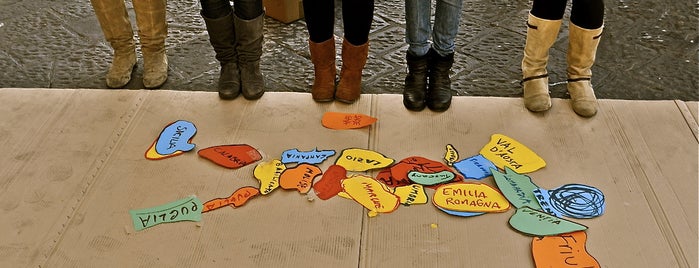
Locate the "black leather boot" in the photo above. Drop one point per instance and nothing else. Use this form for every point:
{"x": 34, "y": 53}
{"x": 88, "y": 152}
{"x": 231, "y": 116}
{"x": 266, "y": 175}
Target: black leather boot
{"x": 415, "y": 89}
{"x": 439, "y": 89}
{"x": 222, "y": 39}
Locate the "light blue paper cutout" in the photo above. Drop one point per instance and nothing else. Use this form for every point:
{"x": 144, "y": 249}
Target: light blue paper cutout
{"x": 310, "y": 157}
{"x": 176, "y": 137}
{"x": 460, "y": 213}
{"x": 475, "y": 167}
{"x": 572, "y": 200}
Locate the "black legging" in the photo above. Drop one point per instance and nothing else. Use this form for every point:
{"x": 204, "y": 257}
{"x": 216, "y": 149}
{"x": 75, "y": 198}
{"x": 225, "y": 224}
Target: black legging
{"x": 587, "y": 14}
{"x": 356, "y": 19}
{"x": 244, "y": 9}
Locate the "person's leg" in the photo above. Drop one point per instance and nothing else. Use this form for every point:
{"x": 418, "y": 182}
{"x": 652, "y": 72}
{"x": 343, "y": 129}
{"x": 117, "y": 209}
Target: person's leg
{"x": 320, "y": 20}
{"x": 585, "y": 30}
{"x": 357, "y": 16}
{"x": 152, "y": 31}
{"x": 417, "y": 34}
{"x": 218, "y": 17}
{"x": 248, "y": 9}
{"x": 446, "y": 26}
{"x": 116, "y": 27}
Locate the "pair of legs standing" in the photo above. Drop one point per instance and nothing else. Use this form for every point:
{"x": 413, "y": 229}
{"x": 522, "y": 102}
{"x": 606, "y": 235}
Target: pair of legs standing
{"x": 585, "y": 29}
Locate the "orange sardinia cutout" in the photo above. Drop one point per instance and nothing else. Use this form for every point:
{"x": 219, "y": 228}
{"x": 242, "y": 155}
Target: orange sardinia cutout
{"x": 231, "y": 156}
{"x": 330, "y": 184}
{"x": 299, "y": 177}
{"x": 334, "y": 120}
{"x": 237, "y": 199}
{"x": 565, "y": 250}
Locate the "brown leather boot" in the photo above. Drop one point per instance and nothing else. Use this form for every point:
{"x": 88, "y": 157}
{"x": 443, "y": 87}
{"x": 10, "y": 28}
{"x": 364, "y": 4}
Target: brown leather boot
{"x": 353, "y": 60}
{"x": 323, "y": 58}
{"x": 581, "y": 56}
{"x": 250, "y": 36}
{"x": 152, "y": 31}
{"x": 116, "y": 27}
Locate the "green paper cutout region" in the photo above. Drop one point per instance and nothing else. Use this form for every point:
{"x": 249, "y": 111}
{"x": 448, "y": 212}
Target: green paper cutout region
{"x": 187, "y": 209}
{"x": 430, "y": 178}
{"x": 517, "y": 188}
{"x": 538, "y": 223}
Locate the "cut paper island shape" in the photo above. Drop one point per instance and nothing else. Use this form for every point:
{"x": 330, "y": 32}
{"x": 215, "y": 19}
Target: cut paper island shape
{"x": 538, "y": 223}
{"x": 231, "y": 156}
{"x": 310, "y": 157}
{"x": 355, "y": 159}
{"x": 504, "y": 151}
{"x": 475, "y": 167}
{"x": 268, "y": 174}
{"x": 461, "y": 213}
{"x": 571, "y": 200}
{"x": 330, "y": 184}
{"x": 564, "y": 250}
{"x": 451, "y": 155}
{"x": 175, "y": 139}
{"x": 371, "y": 194}
{"x": 431, "y": 178}
{"x": 397, "y": 175}
{"x": 385, "y": 177}
{"x": 334, "y": 120}
{"x": 187, "y": 209}
{"x": 413, "y": 194}
{"x": 299, "y": 177}
{"x": 469, "y": 197}
{"x": 237, "y": 199}
{"x": 518, "y": 189}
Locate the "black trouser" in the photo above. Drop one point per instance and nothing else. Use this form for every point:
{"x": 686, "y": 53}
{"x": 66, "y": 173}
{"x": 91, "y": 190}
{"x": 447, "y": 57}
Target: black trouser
{"x": 587, "y": 14}
{"x": 356, "y": 19}
{"x": 244, "y": 9}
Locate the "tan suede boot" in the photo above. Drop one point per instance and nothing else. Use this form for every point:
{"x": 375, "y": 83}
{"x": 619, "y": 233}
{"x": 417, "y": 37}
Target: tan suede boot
{"x": 541, "y": 34}
{"x": 353, "y": 60}
{"x": 582, "y": 48}
{"x": 152, "y": 31}
{"x": 250, "y": 35}
{"x": 116, "y": 27}
{"x": 323, "y": 58}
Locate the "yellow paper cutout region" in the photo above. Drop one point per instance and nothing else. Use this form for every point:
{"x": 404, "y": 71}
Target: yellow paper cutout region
{"x": 344, "y": 195}
{"x": 268, "y": 174}
{"x": 356, "y": 159}
{"x": 470, "y": 197}
{"x": 505, "y": 151}
{"x": 152, "y": 154}
{"x": 451, "y": 155}
{"x": 411, "y": 194}
{"x": 371, "y": 194}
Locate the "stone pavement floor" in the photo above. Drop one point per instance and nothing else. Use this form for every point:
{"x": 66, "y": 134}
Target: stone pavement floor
{"x": 648, "y": 50}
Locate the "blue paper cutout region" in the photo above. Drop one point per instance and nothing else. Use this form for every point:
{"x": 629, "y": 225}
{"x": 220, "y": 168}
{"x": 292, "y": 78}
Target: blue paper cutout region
{"x": 176, "y": 137}
{"x": 310, "y": 157}
{"x": 475, "y": 167}
{"x": 572, "y": 200}
{"x": 460, "y": 213}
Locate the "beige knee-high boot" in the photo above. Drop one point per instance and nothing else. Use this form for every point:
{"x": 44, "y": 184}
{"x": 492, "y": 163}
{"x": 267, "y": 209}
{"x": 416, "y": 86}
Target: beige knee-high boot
{"x": 116, "y": 27}
{"x": 152, "y": 31}
{"x": 582, "y": 48}
{"x": 541, "y": 34}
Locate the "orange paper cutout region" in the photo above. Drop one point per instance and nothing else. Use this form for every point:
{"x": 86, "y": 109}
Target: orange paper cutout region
{"x": 335, "y": 120}
{"x": 398, "y": 175}
{"x": 413, "y": 194}
{"x": 355, "y": 159}
{"x": 268, "y": 174}
{"x": 231, "y": 156}
{"x": 371, "y": 194}
{"x": 505, "y": 151}
{"x": 330, "y": 184}
{"x": 565, "y": 250}
{"x": 299, "y": 177}
{"x": 152, "y": 154}
{"x": 470, "y": 197}
{"x": 237, "y": 199}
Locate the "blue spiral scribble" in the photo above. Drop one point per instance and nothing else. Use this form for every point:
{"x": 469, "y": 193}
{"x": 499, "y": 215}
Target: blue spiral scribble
{"x": 577, "y": 201}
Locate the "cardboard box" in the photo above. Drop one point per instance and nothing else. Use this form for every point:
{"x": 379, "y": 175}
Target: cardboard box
{"x": 286, "y": 11}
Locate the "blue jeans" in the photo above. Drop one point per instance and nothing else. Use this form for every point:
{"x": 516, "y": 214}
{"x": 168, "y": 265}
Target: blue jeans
{"x": 418, "y": 28}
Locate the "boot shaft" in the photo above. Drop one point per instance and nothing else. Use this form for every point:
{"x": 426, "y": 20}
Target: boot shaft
{"x": 541, "y": 35}
{"x": 115, "y": 24}
{"x": 582, "y": 49}
{"x": 152, "y": 24}
{"x": 222, "y": 37}
{"x": 249, "y": 35}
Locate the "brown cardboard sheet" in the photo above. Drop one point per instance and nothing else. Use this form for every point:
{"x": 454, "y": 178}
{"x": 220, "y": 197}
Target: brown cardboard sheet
{"x": 74, "y": 166}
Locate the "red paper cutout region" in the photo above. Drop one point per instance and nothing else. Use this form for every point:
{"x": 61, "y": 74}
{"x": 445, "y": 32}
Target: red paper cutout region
{"x": 299, "y": 177}
{"x": 564, "y": 250}
{"x": 330, "y": 184}
{"x": 231, "y": 156}
{"x": 237, "y": 199}
{"x": 335, "y": 120}
{"x": 397, "y": 175}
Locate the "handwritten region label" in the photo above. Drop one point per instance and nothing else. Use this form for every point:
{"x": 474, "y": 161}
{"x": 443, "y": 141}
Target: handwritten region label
{"x": 330, "y": 184}
{"x": 334, "y": 120}
{"x": 237, "y": 199}
{"x": 475, "y": 167}
{"x": 411, "y": 194}
{"x": 174, "y": 140}
{"x": 355, "y": 159}
{"x": 268, "y": 174}
{"x": 310, "y": 157}
{"x": 430, "y": 178}
{"x": 299, "y": 177}
{"x": 188, "y": 209}
{"x": 231, "y": 156}
{"x": 565, "y": 250}
{"x": 538, "y": 223}
{"x": 518, "y": 189}
{"x": 397, "y": 174}
{"x": 461, "y": 213}
{"x": 504, "y": 151}
{"x": 451, "y": 155}
{"x": 371, "y": 194}
{"x": 470, "y": 197}
{"x": 571, "y": 200}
